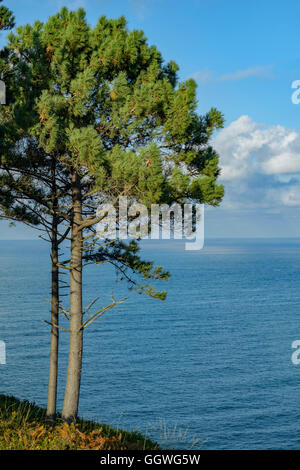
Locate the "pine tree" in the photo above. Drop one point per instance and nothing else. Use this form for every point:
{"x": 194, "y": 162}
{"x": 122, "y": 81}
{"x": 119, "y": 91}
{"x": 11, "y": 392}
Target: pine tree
{"x": 28, "y": 186}
{"x": 119, "y": 123}
{"x": 6, "y": 200}
{"x": 7, "y": 20}
{"x": 29, "y": 178}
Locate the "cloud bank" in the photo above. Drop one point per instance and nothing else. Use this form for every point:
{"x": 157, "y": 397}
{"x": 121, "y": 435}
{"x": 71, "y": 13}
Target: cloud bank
{"x": 260, "y": 165}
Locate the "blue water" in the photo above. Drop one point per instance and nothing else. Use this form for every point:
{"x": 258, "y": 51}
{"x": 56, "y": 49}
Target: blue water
{"x": 212, "y": 363}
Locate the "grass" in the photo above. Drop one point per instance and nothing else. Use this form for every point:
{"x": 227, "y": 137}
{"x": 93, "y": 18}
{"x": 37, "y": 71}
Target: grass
{"x": 23, "y": 427}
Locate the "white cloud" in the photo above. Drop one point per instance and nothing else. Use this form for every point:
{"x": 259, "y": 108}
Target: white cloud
{"x": 72, "y": 4}
{"x": 260, "y": 164}
{"x": 283, "y": 163}
{"x": 262, "y": 72}
{"x": 203, "y": 76}
{"x": 287, "y": 197}
{"x": 142, "y": 8}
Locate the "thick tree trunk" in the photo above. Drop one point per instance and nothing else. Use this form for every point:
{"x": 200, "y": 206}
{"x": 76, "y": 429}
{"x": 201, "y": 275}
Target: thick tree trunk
{"x": 53, "y": 366}
{"x": 71, "y": 399}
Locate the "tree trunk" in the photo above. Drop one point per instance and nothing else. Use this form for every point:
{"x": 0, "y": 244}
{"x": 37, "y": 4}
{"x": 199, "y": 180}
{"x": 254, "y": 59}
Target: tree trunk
{"x": 53, "y": 366}
{"x": 71, "y": 399}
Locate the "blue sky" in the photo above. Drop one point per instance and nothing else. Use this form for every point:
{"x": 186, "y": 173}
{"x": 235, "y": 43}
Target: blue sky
{"x": 244, "y": 57}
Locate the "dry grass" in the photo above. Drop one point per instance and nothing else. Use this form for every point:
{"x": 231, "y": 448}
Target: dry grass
{"x": 23, "y": 427}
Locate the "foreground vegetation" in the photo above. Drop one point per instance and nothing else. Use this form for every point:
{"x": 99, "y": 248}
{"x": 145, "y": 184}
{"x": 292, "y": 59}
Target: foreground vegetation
{"x": 23, "y": 427}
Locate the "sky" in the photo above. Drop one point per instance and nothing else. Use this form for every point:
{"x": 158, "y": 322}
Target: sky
{"x": 244, "y": 57}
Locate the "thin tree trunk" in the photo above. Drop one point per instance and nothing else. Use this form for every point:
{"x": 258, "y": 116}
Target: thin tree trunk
{"x": 53, "y": 366}
{"x": 71, "y": 399}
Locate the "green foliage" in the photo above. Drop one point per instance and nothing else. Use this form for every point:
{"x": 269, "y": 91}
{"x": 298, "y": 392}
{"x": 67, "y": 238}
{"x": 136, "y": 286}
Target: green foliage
{"x": 130, "y": 267}
{"x": 104, "y": 90}
{"x": 103, "y": 102}
{"x": 7, "y": 20}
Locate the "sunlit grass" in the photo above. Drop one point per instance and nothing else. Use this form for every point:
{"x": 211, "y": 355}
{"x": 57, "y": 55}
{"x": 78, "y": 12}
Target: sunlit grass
{"x": 23, "y": 427}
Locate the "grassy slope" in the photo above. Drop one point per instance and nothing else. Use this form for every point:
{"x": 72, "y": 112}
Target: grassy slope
{"x": 22, "y": 427}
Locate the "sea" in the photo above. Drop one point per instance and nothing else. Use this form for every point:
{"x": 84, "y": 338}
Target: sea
{"x": 211, "y": 367}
